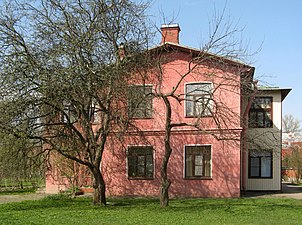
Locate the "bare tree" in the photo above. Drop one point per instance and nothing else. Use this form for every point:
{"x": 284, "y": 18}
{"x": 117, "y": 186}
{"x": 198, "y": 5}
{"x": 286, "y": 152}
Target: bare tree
{"x": 290, "y": 124}
{"x": 20, "y": 161}
{"x": 64, "y": 76}
{"x": 227, "y": 75}
{"x": 292, "y": 161}
{"x": 223, "y": 117}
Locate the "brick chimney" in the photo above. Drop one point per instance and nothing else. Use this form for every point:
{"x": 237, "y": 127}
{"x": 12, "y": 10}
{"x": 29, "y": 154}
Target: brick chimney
{"x": 170, "y": 33}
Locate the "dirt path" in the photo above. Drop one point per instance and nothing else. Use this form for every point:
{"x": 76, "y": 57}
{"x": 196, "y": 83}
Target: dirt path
{"x": 288, "y": 191}
{"x": 20, "y": 198}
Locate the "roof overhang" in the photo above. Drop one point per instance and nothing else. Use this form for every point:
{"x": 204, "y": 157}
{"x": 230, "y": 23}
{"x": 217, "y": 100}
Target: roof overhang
{"x": 284, "y": 91}
{"x": 197, "y": 52}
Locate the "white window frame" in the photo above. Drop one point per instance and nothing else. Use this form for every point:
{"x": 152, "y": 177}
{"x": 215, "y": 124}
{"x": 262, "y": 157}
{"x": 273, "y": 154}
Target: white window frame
{"x": 211, "y": 104}
{"x": 184, "y": 162}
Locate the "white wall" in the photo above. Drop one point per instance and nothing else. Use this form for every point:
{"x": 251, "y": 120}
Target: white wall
{"x": 267, "y": 138}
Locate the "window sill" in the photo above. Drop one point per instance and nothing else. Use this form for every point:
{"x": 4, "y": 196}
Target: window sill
{"x": 140, "y": 178}
{"x": 142, "y": 118}
{"x": 260, "y": 127}
{"x": 198, "y": 178}
{"x": 260, "y": 177}
{"x": 209, "y": 116}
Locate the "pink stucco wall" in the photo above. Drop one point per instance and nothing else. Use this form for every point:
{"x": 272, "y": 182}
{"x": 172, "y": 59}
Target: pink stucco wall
{"x": 225, "y": 180}
{"x": 225, "y": 165}
{"x": 225, "y": 168}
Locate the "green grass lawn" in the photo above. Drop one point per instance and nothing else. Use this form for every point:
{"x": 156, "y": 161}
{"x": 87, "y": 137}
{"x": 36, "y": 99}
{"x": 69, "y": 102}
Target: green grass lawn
{"x": 147, "y": 211}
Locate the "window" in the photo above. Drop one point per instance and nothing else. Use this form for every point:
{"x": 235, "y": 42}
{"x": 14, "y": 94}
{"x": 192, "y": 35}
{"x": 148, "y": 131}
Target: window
{"x": 140, "y": 101}
{"x": 140, "y": 162}
{"x": 95, "y": 113}
{"x": 260, "y": 164}
{"x": 199, "y": 99}
{"x": 197, "y": 161}
{"x": 261, "y": 113}
{"x": 68, "y": 114}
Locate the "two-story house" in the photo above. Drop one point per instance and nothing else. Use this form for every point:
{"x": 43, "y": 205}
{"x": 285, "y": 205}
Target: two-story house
{"x": 217, "y": 151}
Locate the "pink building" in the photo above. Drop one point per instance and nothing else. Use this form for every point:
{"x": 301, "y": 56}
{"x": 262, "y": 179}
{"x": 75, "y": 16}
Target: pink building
{"x": 214, "y": 158}
{"x": 292, "y": 160}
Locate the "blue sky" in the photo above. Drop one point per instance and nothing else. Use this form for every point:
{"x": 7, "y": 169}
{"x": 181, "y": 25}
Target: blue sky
{"x": 275, "y": 25}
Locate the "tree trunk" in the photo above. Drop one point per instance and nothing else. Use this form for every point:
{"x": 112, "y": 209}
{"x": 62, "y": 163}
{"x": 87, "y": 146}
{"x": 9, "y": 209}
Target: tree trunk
{"x": 165, "y": 182}
{"x": 164, "y": 189}
{"x": 99, "y": 195}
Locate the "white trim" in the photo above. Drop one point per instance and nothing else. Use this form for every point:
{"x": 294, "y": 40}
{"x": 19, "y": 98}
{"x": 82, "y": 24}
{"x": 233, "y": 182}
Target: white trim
{"x": 185, "y": 93}
{"x": 173, "y": 25}
{"x": 184, "y": 157}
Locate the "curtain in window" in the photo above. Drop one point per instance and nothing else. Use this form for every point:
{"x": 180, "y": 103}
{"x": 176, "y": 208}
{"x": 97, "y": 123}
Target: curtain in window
{"x": 260, "y": 164}
{"x": 266, "y": 165}
{"x": 198, "y": 99}
{"x": 198, "y": 161}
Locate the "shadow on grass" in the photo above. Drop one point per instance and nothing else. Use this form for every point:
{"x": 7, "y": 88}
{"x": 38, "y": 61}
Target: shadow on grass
{"x": 151, "y": 204}
{"x": 235, "y": 205}
{"x": 129, "y": 201}
{"x": 61, "y": 201}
